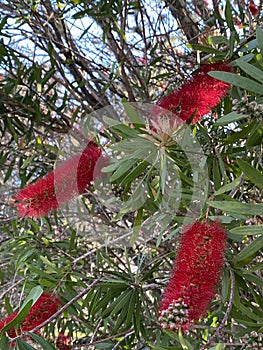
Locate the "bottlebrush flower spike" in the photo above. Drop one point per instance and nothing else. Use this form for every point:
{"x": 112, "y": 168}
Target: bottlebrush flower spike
{"x": 253, "y": 8}
{"x": 198, "y": 95}
{"x": 196, "y": 272}
{"x": 43, "y": 309}
{"x": 60, "y": 186}
{"x": 63, "y": 341}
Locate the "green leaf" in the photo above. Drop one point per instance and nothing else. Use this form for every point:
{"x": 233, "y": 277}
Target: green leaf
{"x": 229, "y": 16}
{"x": 9, "y": 170}
{"x": 245, "y": 58}
{"x": 251, "y": 70}
{"x": 246, "y": 311}
{"x": 27, "y": 162}
{"x": 41, "y": 273}
{"x": 45, "y": 345}
{"x": 46, "y": 283}
{"x": 117, "y": 304}
{"x": 255, "y": 138}
{"x": 248, "y": 253}
{"x": 122, "y": 129}
{"x": 225, "y": 285}
{"x": 229, "y": 118}
{"x": 123, "y": 300}
{"x": 23, "y": 345}
{"x": 131, "y": 307}
{"x": 227, "y": 187}
{"x": 33, "y": 295}
{"x": 3, "y": 23}
{"x": 185, "y": 343}
{"x": 253, "y": 174}
{"x": 218, "y": 39}
{"x": 12, "y": 129}
{"x": 4, "y": 342}
{"x": 137, "y": 226}
{"x": 259, "y": 33}
{"x": 72, "y": 242}
{"x": 247, "y": 230}
{"x": 253, "y": 278}
{"x": 237, "y": 207}
{"x": 126, "y": 313}
{"x": 103, "y": 345}
{"x": 206, "y": 49}
{"x": 123, "y": 167}
{"x": 238, "y": 80}
{"x": 132, "y": 114}
{"x": 134, "y": 173}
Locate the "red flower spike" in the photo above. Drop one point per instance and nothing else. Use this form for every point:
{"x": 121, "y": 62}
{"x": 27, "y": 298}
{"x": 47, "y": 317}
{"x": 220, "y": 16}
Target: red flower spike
{"x": 60, "y": 186}
{"x": 198, "y": 95}
{"x": 253, "y": 8}
{"x": 42, "y": 310}
{"x": 63, "y": 341}
{"x": 196, "y": 272}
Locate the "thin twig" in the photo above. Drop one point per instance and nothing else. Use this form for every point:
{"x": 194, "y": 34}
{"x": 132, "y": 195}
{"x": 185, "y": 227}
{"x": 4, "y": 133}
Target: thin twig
{"x": 83, "y": 341}
{"x": 101, "y": 246}
{"x": 11, "y": 287}
{"x": 119, "y": 342}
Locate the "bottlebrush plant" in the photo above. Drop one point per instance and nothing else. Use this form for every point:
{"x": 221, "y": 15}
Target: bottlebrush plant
{"x": 123, "y": 259}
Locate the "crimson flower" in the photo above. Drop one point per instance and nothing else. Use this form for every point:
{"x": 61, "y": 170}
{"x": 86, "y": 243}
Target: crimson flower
{"x": 63, "y": 341}
{"x": 253, "y": 8}
{"x": 198, "y": 95}
{"x": 196, "y": 273}
{"x": 59, "y": 186}
{"x": 42, "y": 310}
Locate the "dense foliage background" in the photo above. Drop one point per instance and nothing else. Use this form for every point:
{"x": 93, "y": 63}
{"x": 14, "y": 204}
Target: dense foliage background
{"x": 62, "y": 63}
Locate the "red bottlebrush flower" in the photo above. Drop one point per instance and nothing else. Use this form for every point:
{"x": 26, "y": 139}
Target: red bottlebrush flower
{"x": 60, "y": 186}
{"x": 63, "y": 341}
{"x": 42, "y": 310}
{"x": 196, "y": 272}
{"x": 198, "y": 95}
{"x": 253, "y": 8}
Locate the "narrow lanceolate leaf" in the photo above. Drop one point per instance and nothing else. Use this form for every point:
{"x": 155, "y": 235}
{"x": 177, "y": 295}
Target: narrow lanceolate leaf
{"x": 227, "y": 187}
{"x": 184, "y": 342}
{"x": 247, "y": 230}
{"x": 237, "y": 207}
{"x": 45, "y": 345}
{"x": 238, "y": 80}
{"x": 230, "y": 118}
{"x": 132, "y": 113}
{"x": 23, "y": 345}
{"x": 251, "y": 70}
{"x": 259, "y": 33}
{"x": 253, "y": 174}
{"x": 34, "y": 294}
{"x": 248, "y": 253}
